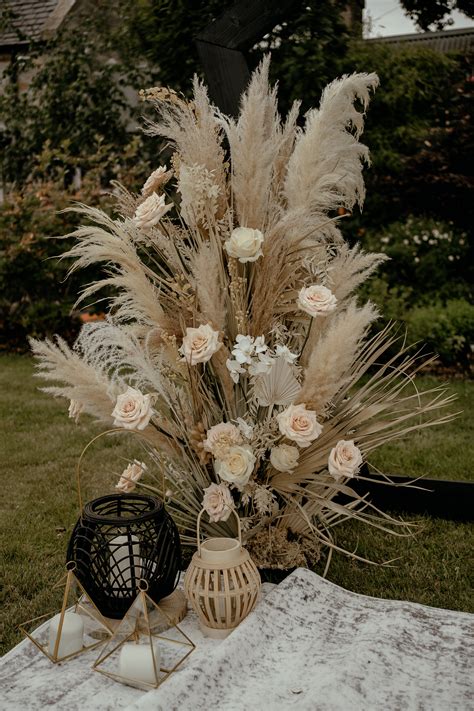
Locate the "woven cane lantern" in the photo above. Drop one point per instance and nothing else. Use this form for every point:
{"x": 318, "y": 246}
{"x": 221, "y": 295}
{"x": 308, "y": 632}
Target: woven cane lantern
{"x": 222, "y": 583}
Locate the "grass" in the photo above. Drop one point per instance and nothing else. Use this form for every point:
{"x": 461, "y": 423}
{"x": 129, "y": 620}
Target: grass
{"x": 40, "y": 448}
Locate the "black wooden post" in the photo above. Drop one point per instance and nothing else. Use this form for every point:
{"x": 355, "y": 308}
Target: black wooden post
{"x": 222, "y": 44}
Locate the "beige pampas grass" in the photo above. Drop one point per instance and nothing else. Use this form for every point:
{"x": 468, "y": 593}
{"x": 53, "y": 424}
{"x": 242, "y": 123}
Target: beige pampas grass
{"x": 256, "y": 353}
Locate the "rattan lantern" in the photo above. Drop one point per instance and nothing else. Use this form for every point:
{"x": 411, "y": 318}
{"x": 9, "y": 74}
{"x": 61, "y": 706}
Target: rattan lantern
{"x": 222, "y": 583}
{"x": 120, "y": 539}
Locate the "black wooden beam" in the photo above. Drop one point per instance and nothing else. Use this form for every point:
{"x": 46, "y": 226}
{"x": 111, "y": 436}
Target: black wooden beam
{"x": 439, "y": 498}
{"x": 222, "y": 44}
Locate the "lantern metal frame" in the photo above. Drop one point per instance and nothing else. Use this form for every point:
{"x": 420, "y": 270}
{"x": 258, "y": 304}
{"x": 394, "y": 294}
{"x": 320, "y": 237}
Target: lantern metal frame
{"x": 139, "y": 622}
{"x": 83, "y": 605}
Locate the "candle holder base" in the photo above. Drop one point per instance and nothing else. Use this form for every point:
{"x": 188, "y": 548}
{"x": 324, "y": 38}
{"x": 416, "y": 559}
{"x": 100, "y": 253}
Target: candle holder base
{"x": 214, "y": 632}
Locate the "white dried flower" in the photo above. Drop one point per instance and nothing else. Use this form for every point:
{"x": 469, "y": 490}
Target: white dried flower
{"x": 345, "y": 460}
{"x": 261, "y": 365}
{"x": 237, "y": 466}
{"x": 235, "y": 369}
{"x": 200, "y": 344}
{"x": 132, "y": 410}
{"x": 263, "y": 498}
{"x": 243, "y": 349}
{"x": 284, "y": 457}
{"x": 316, "y": 300}
{"x": 244, "y": 244}
{"x": 220, "y": 438}
{"x": 151, "y": 210}
{"x": 130, "y": 476}
{"x": 75, "y": 409}
{"x": 159, "y": 177}
{"x": 245, "y": 429}
{"x": 299, "y": 424}
{"x": 285, "y": 353}
{"x": 218, "y": 502}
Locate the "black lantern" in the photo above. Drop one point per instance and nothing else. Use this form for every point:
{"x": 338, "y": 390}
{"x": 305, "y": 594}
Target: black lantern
{"x": 119, "y": 540}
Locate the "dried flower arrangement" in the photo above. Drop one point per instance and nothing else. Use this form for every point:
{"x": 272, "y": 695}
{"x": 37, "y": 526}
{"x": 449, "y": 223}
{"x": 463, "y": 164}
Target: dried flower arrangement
{"x": 234, "y": 343}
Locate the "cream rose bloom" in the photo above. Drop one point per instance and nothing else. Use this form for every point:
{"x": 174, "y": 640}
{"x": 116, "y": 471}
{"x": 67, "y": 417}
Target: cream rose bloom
{"x": 132, "y": 410}
{"x": 200, "y": 344}
{"x": 299, "y": 424}
{"x": 237, "y": 465}
{"x": 220, "y": 438}
{"x": 316, "y": 300}
{"x": 245, "y": 244}
{"x": 130, "y": 476}
{"x": 151, "y": 210}
{"x": 218, "y": 502}
{"x": 284, "y": 457}
{"x": 345, "y": 460}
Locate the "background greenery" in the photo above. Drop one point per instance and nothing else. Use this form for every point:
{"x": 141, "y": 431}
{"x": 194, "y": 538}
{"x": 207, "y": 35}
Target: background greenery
{"x": 40, "y": 447}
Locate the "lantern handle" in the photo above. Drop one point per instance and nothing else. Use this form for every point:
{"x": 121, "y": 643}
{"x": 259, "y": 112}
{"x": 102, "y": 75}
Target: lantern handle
{"x": 198, "y": 527}
{"x": 117, "y": 430}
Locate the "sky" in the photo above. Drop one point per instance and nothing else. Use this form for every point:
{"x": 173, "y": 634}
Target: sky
{"x": 388, "y": 18}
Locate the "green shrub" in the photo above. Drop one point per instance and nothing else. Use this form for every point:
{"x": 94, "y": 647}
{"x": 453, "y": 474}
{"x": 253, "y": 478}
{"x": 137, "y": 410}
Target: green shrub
{"x": 446, "y": 329}
{"x": 429, "y": 261}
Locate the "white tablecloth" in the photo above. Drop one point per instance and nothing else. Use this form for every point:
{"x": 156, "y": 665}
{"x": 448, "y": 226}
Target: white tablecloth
{"x": 309, "y": 645}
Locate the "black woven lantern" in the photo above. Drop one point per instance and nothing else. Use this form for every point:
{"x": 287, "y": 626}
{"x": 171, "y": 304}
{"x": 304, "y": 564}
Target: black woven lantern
{"x": 120, "y": 539}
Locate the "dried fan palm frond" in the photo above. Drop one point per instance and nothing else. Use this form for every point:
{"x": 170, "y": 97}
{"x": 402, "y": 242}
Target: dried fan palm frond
{"x": 277, "y": 387}
{"x": 232, "y": 341}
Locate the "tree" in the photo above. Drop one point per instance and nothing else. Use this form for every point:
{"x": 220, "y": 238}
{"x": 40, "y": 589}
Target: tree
{"x": 429, "y": 14}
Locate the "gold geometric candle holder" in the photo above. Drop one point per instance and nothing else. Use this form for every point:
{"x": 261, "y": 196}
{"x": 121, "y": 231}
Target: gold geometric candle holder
{"x": 146, "y": 646}
{"x": 77, "y": 628}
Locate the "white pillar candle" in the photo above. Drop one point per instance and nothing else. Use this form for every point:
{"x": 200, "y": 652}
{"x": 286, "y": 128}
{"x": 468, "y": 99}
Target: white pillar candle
{"x": 123, "y": 559}
{"x": 136, "y": 662}
{"x": 72, "y": 634}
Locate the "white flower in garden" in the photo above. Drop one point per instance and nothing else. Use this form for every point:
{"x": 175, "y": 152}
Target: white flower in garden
{"x": 299, "y": 424}
{"x": 237, "y": 465}
{"x": 245, "y": 244}
{"x": 151, "y": 210}
{"x": 200, "y": 344}
{"x": 316, "y": 300}
{"x": 345, "y": 460}
{"x": 284, "y": 457}
{"x": 75, "y": 409}
{"x": 159, "y": 177}
{"x": 285, "y": 353}
{"x": 235, "y": 369}
{"x": 132, "y": 410}
{"x": 244, "y": 427}
{"x": 130, "y": 476}
{"x": 218, "y": 502}
{"x": 220, "y": 438}
{"x": 243, "y": 349}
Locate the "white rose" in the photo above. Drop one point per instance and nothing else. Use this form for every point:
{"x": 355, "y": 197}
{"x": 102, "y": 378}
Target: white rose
{"x": 130, "y": 476}
{"x": 316, "y": 300}
{"x": 150, "y": 212}
{"x": 159, "y": 177}
{"x": 245, "y": 244}
{"x": 132, "y": 410}
{"x": 220, "y": 438}
{"x": 284, "y": 457}
{"x": 200, "y": 344}
{"x": 299, "y": 424}
{"x": 237, "y": 465}
{"x": 218, "y": 502}
{"x": 345, "y": 460}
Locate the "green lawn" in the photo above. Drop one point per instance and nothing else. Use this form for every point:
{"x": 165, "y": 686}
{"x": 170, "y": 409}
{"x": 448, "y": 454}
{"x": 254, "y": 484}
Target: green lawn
{"x": 40, "y": 447}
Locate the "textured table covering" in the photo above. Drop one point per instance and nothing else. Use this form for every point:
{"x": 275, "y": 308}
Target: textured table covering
{"x": 30, "y": 682}
{"x": 308, "y": 645}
